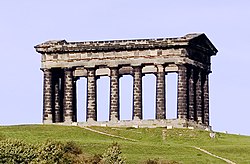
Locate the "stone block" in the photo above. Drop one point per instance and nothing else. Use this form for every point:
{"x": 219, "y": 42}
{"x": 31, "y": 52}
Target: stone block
{"x": 135, "y": 126}
{"x": 103, "y": 125}
{"x": 80, "y": 73}
{"x": 102, "y": 72}
{"x": 149, "y": 69}
{"x": 170, "y": 127}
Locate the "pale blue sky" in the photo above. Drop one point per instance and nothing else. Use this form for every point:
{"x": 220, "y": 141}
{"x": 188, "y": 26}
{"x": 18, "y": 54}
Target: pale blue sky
{"x": 26, "y": 23}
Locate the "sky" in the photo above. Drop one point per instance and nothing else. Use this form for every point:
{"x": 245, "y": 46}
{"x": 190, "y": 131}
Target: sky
{"x": 24, "y": 24}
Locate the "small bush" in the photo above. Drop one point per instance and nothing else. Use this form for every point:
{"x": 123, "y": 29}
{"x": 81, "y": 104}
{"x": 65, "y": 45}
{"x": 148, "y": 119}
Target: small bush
{"x": 16, "y": 151}
{"x": 50, "y": 152}
{"x": 96, "y": 159}
{"x": 113, "y": 155}
{"x": 71, "y": 147}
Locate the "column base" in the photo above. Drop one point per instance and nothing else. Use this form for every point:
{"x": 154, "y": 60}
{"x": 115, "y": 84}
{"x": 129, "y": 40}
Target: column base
{"x": 199, "y": 120}
{"x": 113, "y": 118}
{"x": 91, "y": 120}
{"x": 48, "y": 120}
{"x": 136, "y": 118}
{"x": 68, "y": 120}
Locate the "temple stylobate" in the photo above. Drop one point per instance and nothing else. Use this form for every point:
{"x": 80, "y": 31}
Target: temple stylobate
{"x": 64, "y": 62}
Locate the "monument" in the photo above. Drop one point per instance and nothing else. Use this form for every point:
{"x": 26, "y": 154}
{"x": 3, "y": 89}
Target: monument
{"x": 189, "y": 56}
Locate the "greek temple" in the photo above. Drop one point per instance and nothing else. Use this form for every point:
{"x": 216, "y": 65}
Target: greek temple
{"x": 63, "y": 63}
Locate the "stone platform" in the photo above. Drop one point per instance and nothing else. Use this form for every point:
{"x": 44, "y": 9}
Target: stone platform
{"x": 151, "y": 123}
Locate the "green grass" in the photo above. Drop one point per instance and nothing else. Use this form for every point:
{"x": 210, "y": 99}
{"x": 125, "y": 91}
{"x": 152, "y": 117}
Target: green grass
{"x": 150, "y": 145}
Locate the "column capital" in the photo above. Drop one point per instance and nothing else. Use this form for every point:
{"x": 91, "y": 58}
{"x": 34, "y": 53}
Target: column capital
{"x": 207, "y": 72}
{"x": 136, "y": 68}
{"x": 160, "y": 68}
{"x": 114, "y": 68}
{"x": 45, "y": 69}
{"x": 182, "y": 67}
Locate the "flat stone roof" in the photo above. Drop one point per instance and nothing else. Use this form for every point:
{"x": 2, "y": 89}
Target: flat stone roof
{"x": 60, "y": 46}
{"x": 54, "y": 45}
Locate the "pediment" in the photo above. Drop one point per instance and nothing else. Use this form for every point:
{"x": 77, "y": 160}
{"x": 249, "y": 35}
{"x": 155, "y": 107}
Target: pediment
{"x": 202, "y": 43}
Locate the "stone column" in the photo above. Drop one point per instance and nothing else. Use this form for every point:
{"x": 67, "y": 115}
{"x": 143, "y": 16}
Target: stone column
{"x": 74, "y": 101}
{"x": 137, "y": 93}
{"x": 182, "y": 96}
{"x": 206, "y": 99}
{"x": 68, "y": 95}
{"x": 57, "y": 99}
{"x": 198, "y": 97}
{"x": 47, "y": 96}
{"x": 191, "y": 95}
{"x": 114, "y": 94}
{"x": 61, "y": 95}
{"x": 91, "y": 95}
{"x": 160, "y": 93}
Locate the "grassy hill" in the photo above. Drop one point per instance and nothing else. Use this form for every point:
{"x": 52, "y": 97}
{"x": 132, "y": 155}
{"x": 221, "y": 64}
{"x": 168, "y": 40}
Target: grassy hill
{"x": 149, "y": 144}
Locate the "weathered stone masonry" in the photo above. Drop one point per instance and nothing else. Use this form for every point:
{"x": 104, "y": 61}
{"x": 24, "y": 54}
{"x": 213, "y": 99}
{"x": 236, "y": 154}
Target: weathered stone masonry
{"x": 64, "y": 62}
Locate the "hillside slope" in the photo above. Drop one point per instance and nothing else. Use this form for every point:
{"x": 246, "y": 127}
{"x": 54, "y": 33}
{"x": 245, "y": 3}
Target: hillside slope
{"x": 148, "y": 142}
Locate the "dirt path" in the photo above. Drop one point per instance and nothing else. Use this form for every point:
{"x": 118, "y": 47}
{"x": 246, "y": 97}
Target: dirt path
{"x": 205, "y": 151}
{"x": 133, "y": 140}
{"x": 111, "y": 135}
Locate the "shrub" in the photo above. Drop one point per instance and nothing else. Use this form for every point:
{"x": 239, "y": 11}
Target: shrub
{"x": 50, "y": 152}
{"x": 113, "y": 155}
{"x": 16, "y": 151}
{"x": 71, "y": 147}
{"x": 95, "y": 159}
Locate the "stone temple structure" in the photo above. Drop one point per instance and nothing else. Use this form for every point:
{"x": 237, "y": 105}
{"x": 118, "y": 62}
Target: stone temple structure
{"x": 189, "y": 56}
